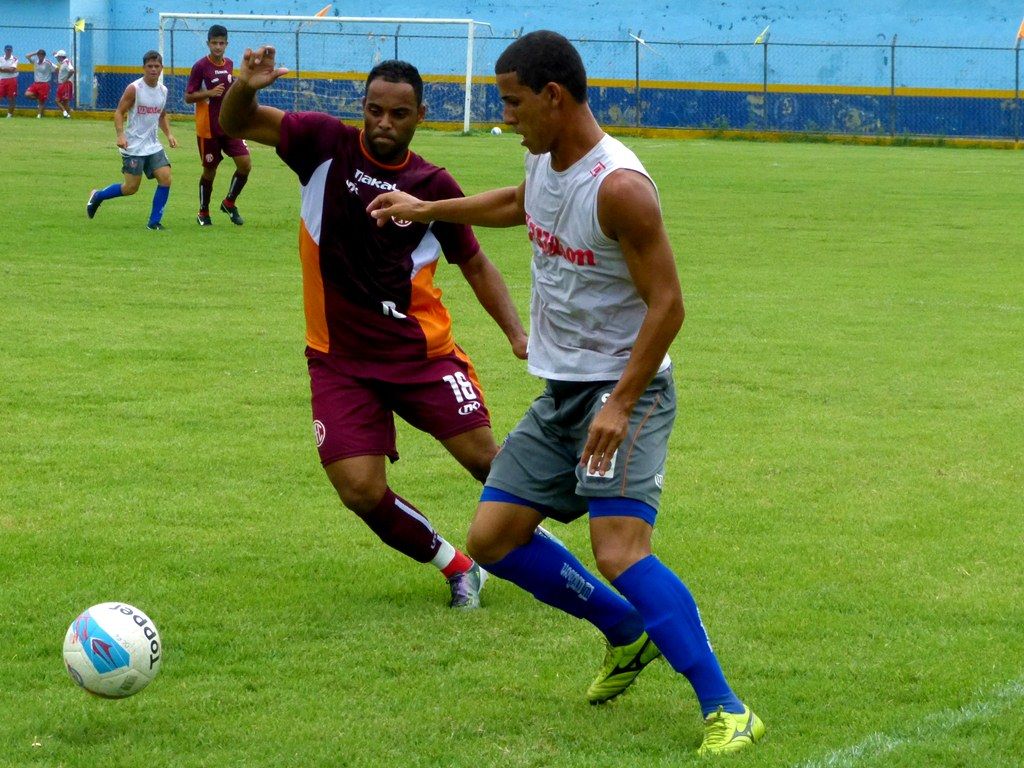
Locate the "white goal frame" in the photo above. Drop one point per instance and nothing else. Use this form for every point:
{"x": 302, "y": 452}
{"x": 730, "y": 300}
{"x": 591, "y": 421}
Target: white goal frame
{"x": 470, "y": 25}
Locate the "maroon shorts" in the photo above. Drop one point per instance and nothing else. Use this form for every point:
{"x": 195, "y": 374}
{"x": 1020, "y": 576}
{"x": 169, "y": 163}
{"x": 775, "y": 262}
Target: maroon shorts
{"x": 40, "y": 91}
{"x": 8, "y": 87}
{"x": 355, "y": 402}
{"x": 66, "y": 91}
{"x": 212, "y": 151}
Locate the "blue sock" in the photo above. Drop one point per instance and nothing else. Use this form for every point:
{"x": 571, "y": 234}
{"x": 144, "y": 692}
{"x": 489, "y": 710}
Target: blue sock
{"x": 109, "y": 193}
{"x": 159, "y": 201}
{"x": 673, "y": 622}
{"x": 551, "y": 573}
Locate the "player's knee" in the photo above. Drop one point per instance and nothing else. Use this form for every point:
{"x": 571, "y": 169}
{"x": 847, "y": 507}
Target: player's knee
{"x": 358, "y": 494}
{"x": 484, "y": 547}
{"x": 615, "y": 557}
{"x": 129, "y": 188}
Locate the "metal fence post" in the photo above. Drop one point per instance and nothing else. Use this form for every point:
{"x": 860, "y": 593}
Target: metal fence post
{"x": 892, "y": 87}
{"x": 298, "y": 69}
{"x": 397, "y": 30}
{"x": 636, "y": 77}
{"x": 764, "y": 84}
{"x": 1016, "y": 91}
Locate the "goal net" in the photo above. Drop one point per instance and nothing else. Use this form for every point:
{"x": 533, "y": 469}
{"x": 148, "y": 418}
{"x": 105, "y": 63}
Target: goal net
{"x": 329, "y": 57}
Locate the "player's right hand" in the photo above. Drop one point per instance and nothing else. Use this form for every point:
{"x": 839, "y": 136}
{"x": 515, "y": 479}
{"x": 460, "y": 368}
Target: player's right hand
{"x": 259, "y": 67}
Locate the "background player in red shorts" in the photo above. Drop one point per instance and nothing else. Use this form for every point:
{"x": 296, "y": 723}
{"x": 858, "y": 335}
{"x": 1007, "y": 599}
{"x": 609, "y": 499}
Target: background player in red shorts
{"x": 42, "y": 73}
{"x": 9, "y": 78}
{"x": 379, "y": 339}
{"x": 210, "y": 78}
{"x": 65, "y": 84}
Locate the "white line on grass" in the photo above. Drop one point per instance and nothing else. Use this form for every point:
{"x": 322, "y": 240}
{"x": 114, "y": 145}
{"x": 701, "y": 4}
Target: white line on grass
{"x": 929, "y": 727}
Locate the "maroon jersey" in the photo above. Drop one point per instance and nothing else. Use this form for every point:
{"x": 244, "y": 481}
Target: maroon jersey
{"x": 369, "y": 291}
{"x": 204, "y": 76}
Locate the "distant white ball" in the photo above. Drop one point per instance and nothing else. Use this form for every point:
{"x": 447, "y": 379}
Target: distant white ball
{"x": 496, "y": 131}
{"x": 113, "y": 650}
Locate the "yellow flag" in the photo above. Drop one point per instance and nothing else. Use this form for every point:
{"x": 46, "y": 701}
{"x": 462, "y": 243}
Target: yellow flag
{"x": 323, "y": 11}
{"x": 762, "y": 37}
{"x": 1020, "y": 31}
{"x": 79, "y": 25}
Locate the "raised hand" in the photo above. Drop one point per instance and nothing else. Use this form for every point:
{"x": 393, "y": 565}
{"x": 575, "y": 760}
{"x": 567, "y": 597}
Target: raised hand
{"x": 259, "y": 67}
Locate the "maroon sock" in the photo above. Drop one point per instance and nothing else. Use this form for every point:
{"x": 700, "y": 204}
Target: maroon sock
{"x": 403, "y": 527}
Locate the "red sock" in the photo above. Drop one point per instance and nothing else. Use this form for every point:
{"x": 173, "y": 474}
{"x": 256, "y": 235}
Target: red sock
{"x": 459, "y": 564}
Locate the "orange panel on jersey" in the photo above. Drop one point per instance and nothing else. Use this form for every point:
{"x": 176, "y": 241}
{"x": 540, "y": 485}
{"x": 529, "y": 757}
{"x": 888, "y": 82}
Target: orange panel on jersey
{"x": 203, "y": 120}
{"x": 313, "y": 293}
{"x": 425, "y": 305}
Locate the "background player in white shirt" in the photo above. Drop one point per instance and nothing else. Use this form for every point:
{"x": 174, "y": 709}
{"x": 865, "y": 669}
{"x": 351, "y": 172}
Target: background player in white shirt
{"x": 143, "y": 105}
{"x": 65, "y": 83}
{"x": 9, "y": 78}
{"x": 42, "y": 73}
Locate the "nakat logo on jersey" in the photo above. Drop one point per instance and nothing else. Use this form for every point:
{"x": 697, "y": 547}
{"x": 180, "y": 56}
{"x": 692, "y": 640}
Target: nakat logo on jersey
{"x": 552, "y": 246}
{"x": 370, "y": 181}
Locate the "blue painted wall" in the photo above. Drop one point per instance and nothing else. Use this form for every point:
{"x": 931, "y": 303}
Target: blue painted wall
{"x": 702, "y": 44}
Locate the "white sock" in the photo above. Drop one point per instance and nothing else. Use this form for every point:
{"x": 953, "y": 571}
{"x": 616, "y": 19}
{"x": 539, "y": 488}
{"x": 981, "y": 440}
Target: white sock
{"x": 444, "y": 556}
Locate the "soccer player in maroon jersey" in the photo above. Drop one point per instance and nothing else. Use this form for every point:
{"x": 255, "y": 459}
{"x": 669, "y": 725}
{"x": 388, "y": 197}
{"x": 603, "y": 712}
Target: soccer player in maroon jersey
{"x": 209, "y": 79}
{"x": 379, "y": 340}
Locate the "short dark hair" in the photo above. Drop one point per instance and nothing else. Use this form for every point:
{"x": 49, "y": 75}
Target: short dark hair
{"x": 217, "y": 30}
{"x": 148, "y": 56}
{"x": 543, "y": 57}
{"x": 395, "y": 71}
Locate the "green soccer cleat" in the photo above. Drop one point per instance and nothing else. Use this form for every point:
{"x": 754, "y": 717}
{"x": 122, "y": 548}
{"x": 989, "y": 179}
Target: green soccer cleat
{"x": 725, "y": 732}
{"x": 466, "y": 587}
{"x": 622, "y": 664}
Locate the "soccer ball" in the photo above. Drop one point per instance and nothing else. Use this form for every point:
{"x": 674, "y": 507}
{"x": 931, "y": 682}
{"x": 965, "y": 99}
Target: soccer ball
{"x": 112, "y": 650}
{"x": 496, "y": 131}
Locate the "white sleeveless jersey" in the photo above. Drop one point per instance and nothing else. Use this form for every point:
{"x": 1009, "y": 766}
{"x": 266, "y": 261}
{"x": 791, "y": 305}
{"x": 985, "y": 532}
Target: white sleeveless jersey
{"x": 144, "y": 119}
{"x": 585, "y": 312}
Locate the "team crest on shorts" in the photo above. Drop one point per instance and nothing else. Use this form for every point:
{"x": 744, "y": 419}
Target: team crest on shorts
{"x": 319, "y": 432}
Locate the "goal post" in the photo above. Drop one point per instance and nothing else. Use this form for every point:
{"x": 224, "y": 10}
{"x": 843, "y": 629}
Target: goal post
{"x": 328, "y": 57}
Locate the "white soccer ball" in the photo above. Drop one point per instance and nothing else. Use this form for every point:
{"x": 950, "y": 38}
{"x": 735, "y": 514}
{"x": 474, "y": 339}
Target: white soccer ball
{"x": 113, "y": 650}
{"x": 496, "y": 131}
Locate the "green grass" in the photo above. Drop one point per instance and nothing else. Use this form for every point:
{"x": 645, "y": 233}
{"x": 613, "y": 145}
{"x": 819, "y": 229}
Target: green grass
{"x": 843, "y": 494}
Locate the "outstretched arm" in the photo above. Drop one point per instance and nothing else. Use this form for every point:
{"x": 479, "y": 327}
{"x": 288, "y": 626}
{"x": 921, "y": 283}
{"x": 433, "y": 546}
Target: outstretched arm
{"x": 241, "y": 116}
{"x": 492, "y": 293}
{"x": 496, "y": 208}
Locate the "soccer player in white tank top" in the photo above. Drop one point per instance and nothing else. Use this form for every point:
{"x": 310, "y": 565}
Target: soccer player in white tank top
{"x": 143, "y": 106}
{"x": 605, "y": 306}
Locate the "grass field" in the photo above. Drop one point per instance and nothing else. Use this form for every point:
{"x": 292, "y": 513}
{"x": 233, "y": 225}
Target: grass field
{"x": 843, "y": 494}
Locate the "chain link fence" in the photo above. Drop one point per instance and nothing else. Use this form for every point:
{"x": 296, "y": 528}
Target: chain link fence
{"x": 882, "y": 89}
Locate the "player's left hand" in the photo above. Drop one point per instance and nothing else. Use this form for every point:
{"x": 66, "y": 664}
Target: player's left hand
{"x": 606, "y": 433}
{"x": 172, "y": 141}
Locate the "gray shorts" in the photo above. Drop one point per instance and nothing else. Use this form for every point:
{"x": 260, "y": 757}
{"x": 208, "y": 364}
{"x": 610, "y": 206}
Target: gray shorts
{"x": 540, "y": 459}
{"x": 136, "y": 165}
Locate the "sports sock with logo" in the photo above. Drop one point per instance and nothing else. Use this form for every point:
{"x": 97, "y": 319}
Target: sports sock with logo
{"x": 159, "y": 201}
{"x": 403, "y": 527}
{"x": 235, "y": 188}
{"x": 552, "y": 574}
{"x": 205, "y": 193}
{"x": 673, "y": 622}
{"x": 109, "y": 193}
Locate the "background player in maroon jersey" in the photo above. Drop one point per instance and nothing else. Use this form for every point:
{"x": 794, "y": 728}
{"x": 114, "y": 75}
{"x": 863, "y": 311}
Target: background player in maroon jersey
{"x": 209, "y": 79}
{"x": 378, "y": 337}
